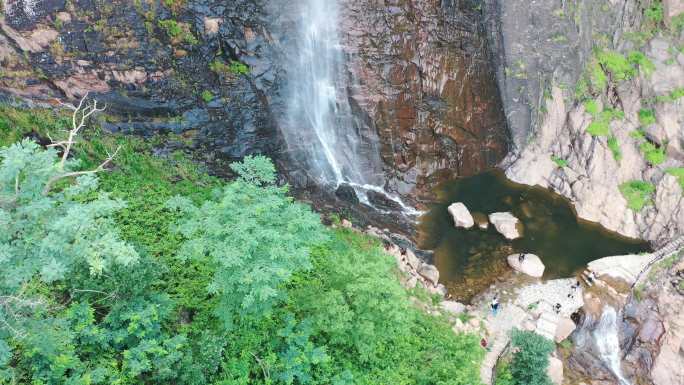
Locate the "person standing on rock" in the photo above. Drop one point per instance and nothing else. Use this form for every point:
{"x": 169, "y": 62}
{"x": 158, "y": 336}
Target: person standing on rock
{"x": 495, "y": 306}
{"x": 521, "y": 257}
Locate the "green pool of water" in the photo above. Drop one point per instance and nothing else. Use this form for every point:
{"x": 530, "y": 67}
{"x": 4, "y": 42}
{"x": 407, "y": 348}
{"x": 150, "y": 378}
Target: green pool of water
{"x": 470, "y": 260}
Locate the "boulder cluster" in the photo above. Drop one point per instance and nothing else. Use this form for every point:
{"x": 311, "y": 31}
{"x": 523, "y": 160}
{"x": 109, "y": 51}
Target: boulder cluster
{"x": 507, "y": 225}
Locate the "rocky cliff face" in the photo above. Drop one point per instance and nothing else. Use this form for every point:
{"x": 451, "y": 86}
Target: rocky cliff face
{"x": 653, "y": 327}
{"x": 557, "y": 91}
{"x": 214, "y": 73}
{"x": 160, "y": 69}
{"x": 422, "y": 78}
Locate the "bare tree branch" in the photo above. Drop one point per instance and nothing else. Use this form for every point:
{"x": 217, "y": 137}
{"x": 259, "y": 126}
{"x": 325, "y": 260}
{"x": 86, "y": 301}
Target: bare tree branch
{"x": 101, "y": 167}
{"x": 79, "y": 118}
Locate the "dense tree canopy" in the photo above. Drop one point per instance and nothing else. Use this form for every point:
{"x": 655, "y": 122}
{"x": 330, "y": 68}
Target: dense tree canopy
{"x": 156, "y": 273}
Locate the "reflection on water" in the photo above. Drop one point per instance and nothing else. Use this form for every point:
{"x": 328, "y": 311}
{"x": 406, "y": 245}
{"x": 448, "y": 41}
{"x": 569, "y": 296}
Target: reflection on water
{"x": 470, "y": 260}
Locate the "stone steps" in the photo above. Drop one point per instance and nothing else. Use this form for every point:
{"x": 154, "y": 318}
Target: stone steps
{"x": 509, "y": 317}
{"x": 547, "y": 323}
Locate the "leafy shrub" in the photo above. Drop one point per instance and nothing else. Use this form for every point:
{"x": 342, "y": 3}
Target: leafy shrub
{"x": 672, "y": 96}
{"x": 646, "y": 117}
{"x": 637, "y": 193}
{"x": 614, "y": 147}
{"x": 241, "y": 232}
{"x": 638, "y": 134}
{"x": 654, "y": 13}
{"x": 653, "y": 154}
{"x": 345, "y": 319}
{"x": 531, "y": 360}
{"x": 677, "y": 23}
{"x": 503, "y": 374}
{"x": 207, "y": 96}
{"x": 615, "y": 63}
{"x": 176, "y": 30}
{"x": 597, "y": 77}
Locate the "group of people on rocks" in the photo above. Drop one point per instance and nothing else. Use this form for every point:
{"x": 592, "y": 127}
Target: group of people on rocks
{"x": 495, "y": 305}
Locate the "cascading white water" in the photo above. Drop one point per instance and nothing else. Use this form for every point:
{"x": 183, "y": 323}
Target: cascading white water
{"x": 321, "y": 129}
{"x": 608, "y": 344}
{"x": 320, "y": 121}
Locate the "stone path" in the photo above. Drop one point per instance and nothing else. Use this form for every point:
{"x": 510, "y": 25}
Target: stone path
{"x": 623, "y": 267}
{"x": 532, "y": 302}
{"x": 533, "y": 307}
{"x": 499, "y": 329}
{"x": 630, "y": 268}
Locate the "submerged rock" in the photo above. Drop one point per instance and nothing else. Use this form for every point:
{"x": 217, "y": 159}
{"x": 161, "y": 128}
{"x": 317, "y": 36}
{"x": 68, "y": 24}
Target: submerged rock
{"x": 481, "y": 220}
{"x": 506, "y": 224}
{"x": 461, "y": 215}
{"x": 530, "y": 264}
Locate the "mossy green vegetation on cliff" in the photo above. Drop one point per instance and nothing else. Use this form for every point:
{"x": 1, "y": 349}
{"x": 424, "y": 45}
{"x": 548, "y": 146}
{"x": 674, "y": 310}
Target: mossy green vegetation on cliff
{"x": 224, "y": 282}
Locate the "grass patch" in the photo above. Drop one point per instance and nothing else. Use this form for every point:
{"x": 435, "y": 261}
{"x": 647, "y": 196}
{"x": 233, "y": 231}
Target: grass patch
{"x": 637, "y": 193}
{"x": 654, "y": 155}
{"x": 234, "y": 68}
{"x": 677, "y": 172}
{"x": 560, "y": 162}
{"x": 600, "y": 126}
{"x": 614, "y": 147}
{"x": 646, "y": 117}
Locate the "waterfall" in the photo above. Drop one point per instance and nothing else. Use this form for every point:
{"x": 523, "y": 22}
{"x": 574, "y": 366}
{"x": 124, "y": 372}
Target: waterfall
{"x": 321, "y": 131}
{"x": 608, "y": 344}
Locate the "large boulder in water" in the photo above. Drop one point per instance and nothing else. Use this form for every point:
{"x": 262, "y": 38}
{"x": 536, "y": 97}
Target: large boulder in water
{"x": 430, "y": 273}
{"x": 530, "y": 264}
{"x": 506, "y": 224}
{"x": 461, "y": 215}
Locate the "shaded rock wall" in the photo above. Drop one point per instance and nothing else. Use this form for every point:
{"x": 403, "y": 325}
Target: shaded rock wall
{"x": 542, "y": 52}
{"x": 153, "y": 78}
{"x": 418, "y": 73}
{"x": 421, "y": 75}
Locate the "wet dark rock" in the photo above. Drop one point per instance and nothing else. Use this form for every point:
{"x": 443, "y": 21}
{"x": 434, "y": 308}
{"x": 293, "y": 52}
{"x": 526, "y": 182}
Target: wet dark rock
{"x": 651, "y": 331}
{"x": 347, "y": 193}
{"x": 381, "y": 201}
{"x": 23, "y": 14}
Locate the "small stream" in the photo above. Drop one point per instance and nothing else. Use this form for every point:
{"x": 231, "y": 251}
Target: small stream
{"x": 470, "y": 260}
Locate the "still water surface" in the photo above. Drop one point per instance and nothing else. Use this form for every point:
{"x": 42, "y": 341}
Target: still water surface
{"x": 470, "y": 260}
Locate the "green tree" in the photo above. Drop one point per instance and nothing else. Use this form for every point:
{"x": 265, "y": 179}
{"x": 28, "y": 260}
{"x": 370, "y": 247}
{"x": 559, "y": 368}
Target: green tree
{"x": 531, "y": 358}
{"x": 255, "y": 234}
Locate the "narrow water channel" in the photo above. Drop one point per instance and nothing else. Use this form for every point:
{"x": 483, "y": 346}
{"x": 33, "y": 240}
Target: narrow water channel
{"x": 470, "y": 260}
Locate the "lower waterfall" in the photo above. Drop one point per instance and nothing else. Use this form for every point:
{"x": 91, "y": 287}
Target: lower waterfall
{"x": 608, "y": 344}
